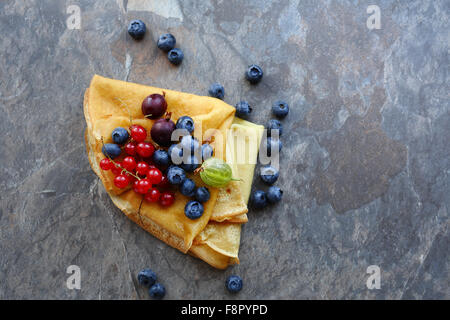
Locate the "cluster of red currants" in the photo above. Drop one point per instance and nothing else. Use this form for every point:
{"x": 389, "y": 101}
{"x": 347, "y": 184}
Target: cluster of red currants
{"x": 138, "y": 170}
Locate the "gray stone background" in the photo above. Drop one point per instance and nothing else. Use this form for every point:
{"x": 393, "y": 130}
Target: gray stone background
{"x": 365, "y": 163}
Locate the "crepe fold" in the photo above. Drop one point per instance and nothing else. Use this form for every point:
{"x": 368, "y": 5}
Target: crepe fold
{"x": 215, "y": 236}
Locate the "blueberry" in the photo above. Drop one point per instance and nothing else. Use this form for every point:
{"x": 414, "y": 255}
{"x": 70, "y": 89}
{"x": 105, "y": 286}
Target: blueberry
{"x": 157, "y": 291}
{"x": 175, "y": 56}
{"x": 189, "y": 144}
{"x": 176, "y": 153}
{"x": 243, "y": 109}
{"x": 269, "y": 174}
{"x": 186, "y": 123}
{"x": 274, "y": 194}
{"x": 166, "y": 42}
{"x": 112, "y": 150}
{"x": 202, "y": 194}
{"x": 146, "y": 277}
{"x": 254, "y": 74}
{"x": 136, "y": 29}
{"x": 120, "y": 135}
{"x": 273, "y": 144}
{"x": 274, "y": 124}
{"x": 207, "y": 151}
{"x": 161, "y": 158}
{"x": 190, "y": 163}
{"x": 193, "y": 210}
{"x": 187, "y": 188}
{"x": 175, "y": 175}
{"x": 217, "y": 91}
{"x": 280, "y": 109}
{"x": 259, "y": 199}
{"x": 234, "y": 283}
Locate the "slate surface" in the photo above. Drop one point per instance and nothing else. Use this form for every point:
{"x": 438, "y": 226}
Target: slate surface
{"x": 365, "y": 163}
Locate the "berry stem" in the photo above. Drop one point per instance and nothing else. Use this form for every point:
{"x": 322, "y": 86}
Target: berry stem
{"x": 128, "y": 110}
{"x": 117, "y": 166}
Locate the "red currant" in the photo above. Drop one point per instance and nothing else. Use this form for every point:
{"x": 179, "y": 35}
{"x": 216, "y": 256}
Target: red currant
{"x": 106, "y": 164}
{"x": 167, "y": 199}
{"x": 129, "y": 163}
{"x": 130, "y": 148}
{"x": 117, "y": 170}
{"x": 154, "y": 175}
{"x": 153, "y": 195}
{"x": 136, "y": 185}
{"x": 145, "y": 149}
{"x": 143, "y": 186}
{"x": 121, "y": 181}
{"x": 138, "y": 133}
{"x": 164, "y": 182}
{"x": 142, "y": 168}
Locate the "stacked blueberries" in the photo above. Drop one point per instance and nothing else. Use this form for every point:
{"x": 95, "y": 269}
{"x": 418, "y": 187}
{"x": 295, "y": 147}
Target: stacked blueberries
{"x": 182, "y": 163}
{"x": 147, "y": 278}
{"x": 269, "y": 174}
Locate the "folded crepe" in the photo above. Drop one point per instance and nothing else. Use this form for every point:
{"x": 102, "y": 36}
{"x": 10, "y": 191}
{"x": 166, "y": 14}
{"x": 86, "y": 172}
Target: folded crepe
{"x": 111, "y": 103}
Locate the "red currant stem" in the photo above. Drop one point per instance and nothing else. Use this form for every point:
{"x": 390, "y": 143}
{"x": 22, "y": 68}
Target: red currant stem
{"x": 128, "y": 110}
{"x": 118, "y": 166}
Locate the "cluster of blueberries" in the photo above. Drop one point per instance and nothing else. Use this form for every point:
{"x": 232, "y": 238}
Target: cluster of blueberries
{"x": 147, "y": 278}
{"x": 176, "y": 174}
{"x": 166, "y": 42}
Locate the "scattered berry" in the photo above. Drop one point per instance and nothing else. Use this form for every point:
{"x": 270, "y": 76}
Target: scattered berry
{"x": 186, "y": 123}
{"x": 145, "y": 149}
{"x": 157, "y": 291}
{"x": 153, "y": 195}
{"x": 274, "y": 194}
{"x": 161, "y": 158}
{"x": 193, "y": 210}
{"x": 167, "y": 198}
{"x": 259, "y": 199}
{"x": 280, "y": 109}
{"x": 138, "y": 133}
{"x": 121, "y": 181}
{"x": 190, "y": 164}
{"x": 154, "y": 106}
{"x": 217, "y": 91}
{"x": 189, "y": 144}
{"x": 129, "y": 163}
{"x": 112, "y": 150}
{"x": 142, "y": 168}
{"x": 202, "y": 194}
{"x": 272, "y": 144}
{"x": 120, "y": 135}
{"x": 146, "y": 277}
{"x": 176, "y": 153}
{"x": 274, "y": 124}
{"x": 175, "y": 56}
{"x": 154, "y": 176}
{"x": 166, "y": 42}
{"x": 187, "y": 187}
{"x": 164, "y": 182}
{"x": 207, "y": 151}
{"x": 136, "y": 29}
{"x": 117, "y": 169}
{"x": 254, "y": 74}
{"x": 106, "y": 164}
{"x": 130, "y": 148}
{"x": 175, "y": 175}
{"x": 234, "y": 283}
{"x": 243, "y": 109}
{"x": 269, "y": 174}
{"x": 143, "y": 186}
{"x": 161, "y": 131}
